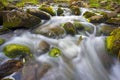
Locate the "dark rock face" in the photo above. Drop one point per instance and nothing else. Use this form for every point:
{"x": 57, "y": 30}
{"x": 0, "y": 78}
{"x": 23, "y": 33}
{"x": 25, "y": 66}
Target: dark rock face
{"x": 18, "y": 19}
{"x": 41, "y": 14}
{"x": 10, "y": 67}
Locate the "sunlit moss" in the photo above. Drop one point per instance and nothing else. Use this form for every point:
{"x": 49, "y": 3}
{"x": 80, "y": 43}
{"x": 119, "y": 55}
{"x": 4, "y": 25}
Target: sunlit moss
{"x": 16, "y": 50}
{"x": 113, "y": 42}
{"x": 2, "y": 41}
{"x": 55, "y": 52}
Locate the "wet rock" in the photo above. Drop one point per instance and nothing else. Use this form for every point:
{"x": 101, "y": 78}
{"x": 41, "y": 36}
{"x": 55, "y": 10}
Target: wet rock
{"x": 1, "y": 6}
{"x": 88, "y": 14}
{"x": 96, "y": 19}
{"x": 50, "y": 31}
{"x": 69, "y": 28}
{"x": 75, "y": 10}
{"x": 43, "y": 47}
{"x": 2, "y": 41}
{"x": 55, "y": 52}
{"x": 18, "y": 19}
{"x": 48, "y": 9}
{"x": 7, "y": 79}
{"x": 16, "y": 50}
{"x": 107, "y": 29}
{"x": 9, "y": 67}
{"x": 40, "y": 14}
{"x": 79, "y": 3}
{"x": 113, "y": 42}
{"x": 108, "y": 15}
{"x": 4, "y": 30}
{"x": 78, "y": 26}
{"x": 113, "y": 21}
{"x": 60, "y": 11}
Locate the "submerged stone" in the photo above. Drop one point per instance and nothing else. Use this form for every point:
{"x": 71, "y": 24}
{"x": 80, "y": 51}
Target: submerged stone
{"x": 69, "y": 28}
{"x": 60, "y": 11}
{"x": 4, "y": 30}
{"x": 18, "y": 19}
{"x": 2, "y": 41}
{"x": 75, "y": 10}
{"x": 16, "y": 50}
{"x": 48, "y": 9}
{"x": 39, "y": 13}
{"x": 113, "y": 42}
{"x": 55, "y": 52}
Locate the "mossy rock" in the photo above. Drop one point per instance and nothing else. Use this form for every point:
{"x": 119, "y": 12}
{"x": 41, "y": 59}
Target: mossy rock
{"x": 1, "y": 6}
{"x": 7, "y": 79}
{"x": 113, "y": 42}
{"x": 107, "y": 29}
{"x": 41, "y": 14}
{"x": 96, "y": 19}
{"x": 16, "y": 50}
{"x": 4, "y": 30}
{"x": 69, "y": 28}
{"x": 18, "y": 19}
{"x": 2, "y": 41}
{"x": 75, "y": 10}
{"x": 53, "y": 32}
{"x": 78, "y": 26}
{"x": 48, "y": 9}
{"x": 115, "y": 21}
{"x": 60, "y": 11}
{"x": 88, "y": 14}
{"x": 55, "y": 52}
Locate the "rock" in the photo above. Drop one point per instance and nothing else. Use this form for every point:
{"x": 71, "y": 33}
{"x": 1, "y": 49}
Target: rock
{"x": 107, "y": 29}
{"x": 55, "y": 52}
{"x": 16, "y": 50}
{"x": 18, "y": 19}
{"x": 41, "y": 14}
{"x": 2, "y": 41}
{"x": 108, "y": 15}
{"x": 96, "y": 19}
{"x": 7, "y": 79}
{"x": 78, "y": 26}
{"x": 4, "y": 30}
{"x": 9, "y": 67}
{"x": 115, "y": 21}
{"x": 1, "y": 6}
{"x": 60, "y": 11}
{"x": 113, "y": 42}
{"x": 54, "y": 31}
{"x": 75, "y": 10}
{"x": 43, "y": 47}
{"x": 48, "y": 9}
{"x": 69, "y": 28}
{"x": 88, "y": 14}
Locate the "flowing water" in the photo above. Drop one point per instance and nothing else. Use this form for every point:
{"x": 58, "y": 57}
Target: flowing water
{"x": 86, "y": 60}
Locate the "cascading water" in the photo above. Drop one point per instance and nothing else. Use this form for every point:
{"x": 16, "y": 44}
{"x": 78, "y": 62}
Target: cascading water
{"x": 85, "y": 60}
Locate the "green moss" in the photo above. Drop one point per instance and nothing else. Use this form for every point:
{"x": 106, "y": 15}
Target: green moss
{"x": 54, "y": 52}
{"x": 2, "y": 41}
{"x": 69, "y": 28}
{"x": 88, "y": 14}
{"x": 16, "y": 50}
{"x": 48, "y": 9}
{"x": 78, "y": 25}
{"x": 75, "y": 10}
{"x": 7, "y": 79}
{"x": 4, "y": 30}
{"x": 59, "y": 11}
{"x": 113, "y": 42}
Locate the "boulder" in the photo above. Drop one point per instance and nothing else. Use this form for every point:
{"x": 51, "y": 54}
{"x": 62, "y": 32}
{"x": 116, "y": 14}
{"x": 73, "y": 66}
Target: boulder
{"x": 54, "y": 31}
{"x": 69, "y": 28}
{"x": 113, "y": 42}
{"x": 41, "y": 14}
{"x": 60, "y": 11}
{"x": 48, "y": 9}
{"x": 75, "y": 10}
{"x": 2, "y": 41}
{"x": 18, "y": 19}
{"x": 88, "y": 14}
{"x": 55, "y": 52}
{"x": 115, "y": 21}
{"x": 4, "y": 30}
{"x": 16, "y": 50}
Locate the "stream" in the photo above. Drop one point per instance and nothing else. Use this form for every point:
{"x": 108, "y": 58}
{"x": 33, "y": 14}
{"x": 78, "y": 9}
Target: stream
{"x": 86, "y": 59}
